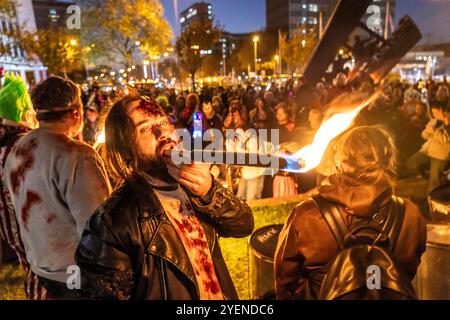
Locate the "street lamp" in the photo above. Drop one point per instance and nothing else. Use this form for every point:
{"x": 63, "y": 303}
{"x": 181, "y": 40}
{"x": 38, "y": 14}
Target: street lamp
{"x": 255, "y": 42}
{"x": 146, "y": 63}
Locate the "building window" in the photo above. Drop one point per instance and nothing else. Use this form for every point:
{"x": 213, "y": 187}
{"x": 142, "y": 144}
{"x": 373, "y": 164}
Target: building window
{"x": 191, "y": 13}
{"x": 53, "y": 15}
{"x": 313, "y": 8}
{"x": 182, "y": 19}
{"x": 312, "y": 20}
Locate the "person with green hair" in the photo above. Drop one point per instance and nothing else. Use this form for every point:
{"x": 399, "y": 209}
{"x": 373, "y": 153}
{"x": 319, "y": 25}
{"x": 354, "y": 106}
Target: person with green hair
{"x": 17, "y": 118}
{"x": 16, "y": 108}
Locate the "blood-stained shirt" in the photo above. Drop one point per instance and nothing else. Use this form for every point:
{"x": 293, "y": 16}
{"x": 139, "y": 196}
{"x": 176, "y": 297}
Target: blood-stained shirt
{"x": 179, "y": 210}
{"x": 55, "y": 184}
{"x": 9, "y": 228}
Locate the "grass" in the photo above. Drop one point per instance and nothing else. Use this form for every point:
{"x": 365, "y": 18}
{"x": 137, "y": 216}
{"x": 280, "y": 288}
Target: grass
{"x": 235, "y": 251}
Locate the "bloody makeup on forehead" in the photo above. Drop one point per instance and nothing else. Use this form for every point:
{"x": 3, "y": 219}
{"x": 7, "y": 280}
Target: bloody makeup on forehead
{"x": 150, "y": 107}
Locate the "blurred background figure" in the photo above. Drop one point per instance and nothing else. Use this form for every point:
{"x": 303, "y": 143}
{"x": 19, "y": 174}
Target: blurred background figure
{"x": 90, "y": 128}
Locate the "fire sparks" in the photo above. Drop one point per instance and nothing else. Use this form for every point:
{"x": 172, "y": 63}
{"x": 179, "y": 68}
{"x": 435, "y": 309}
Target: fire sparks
{"x": 311, "y": 155}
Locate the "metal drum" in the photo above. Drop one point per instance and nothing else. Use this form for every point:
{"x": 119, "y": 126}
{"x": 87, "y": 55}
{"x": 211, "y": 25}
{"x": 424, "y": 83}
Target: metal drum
{"x": 439, "y": 202}
{"x": 263, "y": 243}
{"x": 432, "y": 281}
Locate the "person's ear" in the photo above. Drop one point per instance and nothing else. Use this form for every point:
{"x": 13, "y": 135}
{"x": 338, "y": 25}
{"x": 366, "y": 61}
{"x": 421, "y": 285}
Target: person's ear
{"x": 76, "y": 114}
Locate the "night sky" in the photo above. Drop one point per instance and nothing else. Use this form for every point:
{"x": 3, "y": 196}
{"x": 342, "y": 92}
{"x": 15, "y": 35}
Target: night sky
{"x": 432, "y": 16}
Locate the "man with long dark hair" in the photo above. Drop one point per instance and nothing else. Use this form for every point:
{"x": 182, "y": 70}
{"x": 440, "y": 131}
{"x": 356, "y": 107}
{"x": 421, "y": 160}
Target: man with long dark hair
{"x": 157, "y": 236}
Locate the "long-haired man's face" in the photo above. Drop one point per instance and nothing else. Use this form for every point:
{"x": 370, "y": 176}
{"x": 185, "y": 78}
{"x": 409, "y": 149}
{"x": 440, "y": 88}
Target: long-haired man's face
{"x": 154, "y": 132}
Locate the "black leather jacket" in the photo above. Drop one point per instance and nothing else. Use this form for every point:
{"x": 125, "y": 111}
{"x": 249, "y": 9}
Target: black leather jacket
{"x": 130, "y": 250}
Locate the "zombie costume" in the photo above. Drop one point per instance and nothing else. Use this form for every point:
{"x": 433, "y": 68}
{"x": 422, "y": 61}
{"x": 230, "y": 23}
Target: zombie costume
{"x": 55, "y": 184}
{"x": 154, "y": 240}
{"x": 16, "y": 114}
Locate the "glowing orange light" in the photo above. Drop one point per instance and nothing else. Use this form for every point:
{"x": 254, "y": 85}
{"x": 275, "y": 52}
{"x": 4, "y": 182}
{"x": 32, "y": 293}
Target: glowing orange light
{"x": 311, "y": 155}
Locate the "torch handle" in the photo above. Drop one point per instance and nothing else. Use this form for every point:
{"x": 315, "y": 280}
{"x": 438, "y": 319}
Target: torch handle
{"x": 276, "y": 162}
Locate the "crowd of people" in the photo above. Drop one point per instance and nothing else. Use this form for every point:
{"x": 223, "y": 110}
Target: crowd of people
{"x": 150, "y": 228}
{"x": 416, "y": 115}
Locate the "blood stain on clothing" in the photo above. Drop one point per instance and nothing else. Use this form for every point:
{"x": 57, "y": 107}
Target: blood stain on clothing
{"x": 191, "y": 233}
{"x": 49, "y": 218}
{"x": 179, "y": 225}
{"x": 211, "y": 286}
{"x": 187, "y": 225}
{"x": 202, "y": 244}
{"x": 31, "y": 199}
{"x": 18, "y": 175}
{"x": 208, "y": 267}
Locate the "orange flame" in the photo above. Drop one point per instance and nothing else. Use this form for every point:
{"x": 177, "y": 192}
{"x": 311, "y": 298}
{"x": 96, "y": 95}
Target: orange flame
{"x": 311, "y": 155}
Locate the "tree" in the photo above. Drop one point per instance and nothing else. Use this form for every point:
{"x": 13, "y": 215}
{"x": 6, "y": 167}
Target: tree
{"x": 121, "y": 29}
{"x": 244, "y": 56}
{"x": 199, "y": 35}
{"x": 57, "y": 49}
{"x": 7, "y": 8}
{"x": 295, "y": 51}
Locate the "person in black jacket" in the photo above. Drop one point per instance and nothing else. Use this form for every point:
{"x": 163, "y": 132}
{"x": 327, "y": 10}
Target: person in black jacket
{"x": 157, "y": 235}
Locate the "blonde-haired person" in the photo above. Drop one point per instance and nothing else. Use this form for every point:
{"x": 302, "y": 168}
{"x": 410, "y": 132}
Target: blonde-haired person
{"x": 363, "y": 178}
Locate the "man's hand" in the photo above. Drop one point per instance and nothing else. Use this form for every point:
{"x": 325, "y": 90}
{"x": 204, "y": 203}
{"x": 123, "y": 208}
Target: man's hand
{"x": 196, "y": 177}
